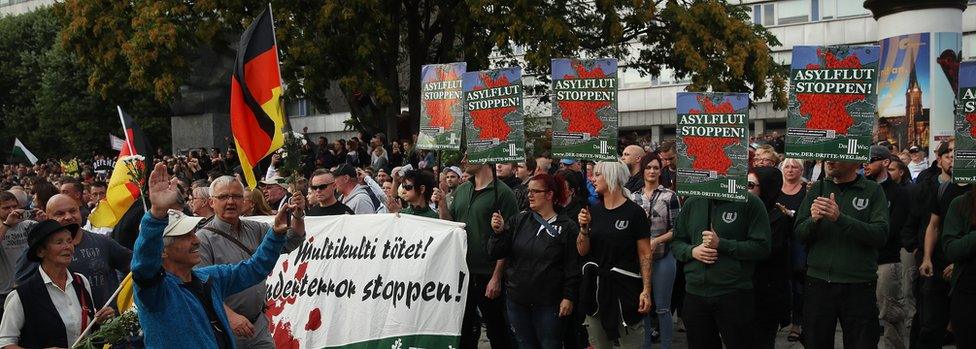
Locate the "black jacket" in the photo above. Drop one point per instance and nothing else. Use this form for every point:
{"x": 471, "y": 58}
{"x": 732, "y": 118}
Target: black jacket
{"x": 540, "y": 269}
{"x": 899, "y": 206}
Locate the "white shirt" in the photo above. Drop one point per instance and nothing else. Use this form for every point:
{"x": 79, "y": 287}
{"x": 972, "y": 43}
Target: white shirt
{"x": 916, "y": 168}
{"x": 65, "y": 301}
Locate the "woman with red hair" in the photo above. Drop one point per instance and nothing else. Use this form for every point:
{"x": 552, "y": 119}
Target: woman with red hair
{"x": 542, "y": 272}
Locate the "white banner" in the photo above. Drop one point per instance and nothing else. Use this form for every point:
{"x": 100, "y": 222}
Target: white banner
{"x": 371, "y": 281}
{"x": 116, "y": 142}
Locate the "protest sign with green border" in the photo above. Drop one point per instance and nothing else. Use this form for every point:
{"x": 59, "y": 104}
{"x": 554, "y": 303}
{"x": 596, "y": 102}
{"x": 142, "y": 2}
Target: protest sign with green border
{"x": 713, "y": 138}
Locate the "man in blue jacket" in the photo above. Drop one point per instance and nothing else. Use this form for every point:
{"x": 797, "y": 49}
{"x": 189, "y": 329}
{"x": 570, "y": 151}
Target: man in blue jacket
{"x": 182, "y": 307}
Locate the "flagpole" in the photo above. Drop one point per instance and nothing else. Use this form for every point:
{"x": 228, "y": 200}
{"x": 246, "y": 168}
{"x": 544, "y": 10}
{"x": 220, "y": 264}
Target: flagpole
{"x": 92, "y": 323}
{"x": 128, "y": 143}
{"x": 281, "y": 81}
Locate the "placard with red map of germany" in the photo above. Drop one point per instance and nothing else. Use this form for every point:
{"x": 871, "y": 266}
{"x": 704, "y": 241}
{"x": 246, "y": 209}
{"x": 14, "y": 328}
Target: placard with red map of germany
{"x": 964, "y": 163}
{"x": 713, "y": 138}
{"x": 833, "y": 102}
{"x": 441, "y": 109}
{"x": 584, "y": 109}
{"x": 493, "y": 116}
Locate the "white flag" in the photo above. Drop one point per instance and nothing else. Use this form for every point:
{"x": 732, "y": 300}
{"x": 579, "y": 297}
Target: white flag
{"x": 21, "y": 150}
{"x": 116, "y": 142}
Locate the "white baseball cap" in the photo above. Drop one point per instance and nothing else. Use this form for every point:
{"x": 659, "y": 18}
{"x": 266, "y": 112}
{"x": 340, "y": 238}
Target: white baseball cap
{"x": 180, "y": 224}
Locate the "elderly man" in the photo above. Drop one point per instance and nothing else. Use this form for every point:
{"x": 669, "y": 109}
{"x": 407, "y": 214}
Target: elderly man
{"x": 226, "y": 239}
{"x": 631, "y": 157}
{"x": 274, "y": 193}
{"x": 179, "y": 306}
{"x": 97, "y": 257}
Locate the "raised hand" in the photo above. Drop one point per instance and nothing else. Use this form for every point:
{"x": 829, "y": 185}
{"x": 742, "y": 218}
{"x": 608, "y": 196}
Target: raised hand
{"x": 163, "y": 192}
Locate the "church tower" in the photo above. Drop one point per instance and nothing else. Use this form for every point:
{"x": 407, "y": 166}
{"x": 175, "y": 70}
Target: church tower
{"x": 913, "y": 107}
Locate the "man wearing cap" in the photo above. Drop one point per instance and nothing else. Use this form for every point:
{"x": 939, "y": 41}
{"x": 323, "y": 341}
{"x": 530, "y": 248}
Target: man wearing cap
{"x": 181, "y": 306}
{"x": 353, "y": 194}
{"x": 843, "y": 221}
{"x": 275, "y": 193}
{"x": 919, "y": 163}
{"x": 890, "y": 292}
{"x": 227, "y": 239}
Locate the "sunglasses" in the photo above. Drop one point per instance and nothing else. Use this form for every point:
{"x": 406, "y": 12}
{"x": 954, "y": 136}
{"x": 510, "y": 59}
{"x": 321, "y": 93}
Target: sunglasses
{"x": 407, "y": 187}
{"x": 321, "y": 186}
{"x": 752, "y": 185}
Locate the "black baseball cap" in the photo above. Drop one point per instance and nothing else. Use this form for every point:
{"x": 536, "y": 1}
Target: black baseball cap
{"x": 40, "y": 232}
{"x": 345, "y": 169}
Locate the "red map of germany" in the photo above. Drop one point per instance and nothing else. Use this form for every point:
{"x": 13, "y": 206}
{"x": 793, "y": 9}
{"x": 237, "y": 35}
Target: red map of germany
{"x": 971, "y": 119}
{"x": 440, "y": 109}
{"x": 829, "y": 111}
{"x": 491, "y": 122}
{"x": 708, "y": 153}
{"x": 581, "y": 115}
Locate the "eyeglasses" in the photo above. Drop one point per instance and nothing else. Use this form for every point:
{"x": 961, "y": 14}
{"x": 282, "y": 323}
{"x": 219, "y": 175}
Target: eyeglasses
{"x": 321, "y": 186}
{"x": 225, "y": 197}
{"x": 752, "y": 185}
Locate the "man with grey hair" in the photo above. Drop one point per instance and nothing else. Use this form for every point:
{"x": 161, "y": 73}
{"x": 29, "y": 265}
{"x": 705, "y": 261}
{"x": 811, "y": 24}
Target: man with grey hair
{"x": 200, "y": 202}
{"x": 226, "y": 239}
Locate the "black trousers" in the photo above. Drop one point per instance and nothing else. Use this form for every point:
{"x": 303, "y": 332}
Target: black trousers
{"x": 492, "y": 313}
{"x": 854, "y": 305}
{"x": 728, "y": 319}
{"x": 935, "y": 312}
{"x": 963, "y": 321}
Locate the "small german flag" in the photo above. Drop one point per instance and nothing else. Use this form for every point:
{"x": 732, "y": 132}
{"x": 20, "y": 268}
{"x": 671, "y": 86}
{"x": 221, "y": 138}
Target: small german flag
{"x": 256, "y": 113}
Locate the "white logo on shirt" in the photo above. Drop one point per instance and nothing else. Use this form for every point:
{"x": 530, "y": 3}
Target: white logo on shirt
{"x": 621, "y": 225}
{"x": 860, "y": 204}
{"x": 729, "y": 217}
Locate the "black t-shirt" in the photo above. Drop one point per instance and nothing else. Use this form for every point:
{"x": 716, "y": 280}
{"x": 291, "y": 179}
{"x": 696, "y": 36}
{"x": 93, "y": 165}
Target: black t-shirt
{"x": 335, "y": 209}
{"x": 614, "y": 234}
{"x": 940, "y": 205}
{"x": 202, "y": 292}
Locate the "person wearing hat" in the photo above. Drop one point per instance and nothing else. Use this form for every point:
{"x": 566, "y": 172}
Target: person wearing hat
{"x": 180, "y": 306}
{"x": 57, "y": 304}
{"x": 275, "y": 193}
{"x": 354, "y": 194}
{"x": 919, "y": 163}
{"x": 890, "y": 292}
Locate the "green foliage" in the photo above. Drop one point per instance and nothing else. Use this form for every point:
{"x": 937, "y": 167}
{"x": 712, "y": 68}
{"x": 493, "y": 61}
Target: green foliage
{"x": 372, "y": 50}
{"x": 44, "y": 96}
{"x": 112, "y": 331}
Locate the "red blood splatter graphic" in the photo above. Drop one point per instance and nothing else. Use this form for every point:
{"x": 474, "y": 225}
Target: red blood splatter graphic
{"x": 284, "y": 266}
{"x": 491, "y": 122}
{"x": 828, "y": 111}
{"x": 440, "y": 109}
{"x": 276, "y": 307}
{"x": 283, "y": 337}
{"x": 581, "y": 115}
{"x": 314, "y": 320}
{"x": 971, "y": 119}
{"x": 301, "y": 271}
{"x": 708, "y": 153}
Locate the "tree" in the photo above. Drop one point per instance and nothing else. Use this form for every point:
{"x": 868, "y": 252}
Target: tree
{"x": 372, "y": 50}
{"x": 44, "y": 96}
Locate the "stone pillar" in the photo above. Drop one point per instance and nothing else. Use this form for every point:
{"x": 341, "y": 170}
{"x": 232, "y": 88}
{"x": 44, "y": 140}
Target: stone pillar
{"x": 758, "y": 127}
{"x": 921, "y": 44}
{"x": 656, "y": 134}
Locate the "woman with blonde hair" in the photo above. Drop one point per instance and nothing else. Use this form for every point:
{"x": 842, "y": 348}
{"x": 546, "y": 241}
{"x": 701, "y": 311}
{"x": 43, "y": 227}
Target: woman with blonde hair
{"x": 254, "y": 204}
{"x": 615, "y": 243}
{"x": 792, "y": 193}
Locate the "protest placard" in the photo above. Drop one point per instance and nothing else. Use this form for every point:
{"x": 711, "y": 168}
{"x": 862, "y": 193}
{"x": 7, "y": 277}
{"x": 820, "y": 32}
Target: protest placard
{"x": 964, "y": 162}
{"x": 713, "y": 136}
{"x": 584, "y": 109}
{"x": 493, "y": 116}
{"x": 441, "y": 111}
{"x": 833, "y": 102}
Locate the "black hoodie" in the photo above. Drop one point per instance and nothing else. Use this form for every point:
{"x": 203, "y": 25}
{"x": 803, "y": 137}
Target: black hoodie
{"x": 541, "y": 268}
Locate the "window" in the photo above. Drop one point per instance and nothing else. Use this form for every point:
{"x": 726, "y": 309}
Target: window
{"x": 793, "y": 11}
{"x": 768, "y": 14}
{"x": 299, "y": 107}
{"x": 830, "y": 9}
{"x": 630, "y": 77}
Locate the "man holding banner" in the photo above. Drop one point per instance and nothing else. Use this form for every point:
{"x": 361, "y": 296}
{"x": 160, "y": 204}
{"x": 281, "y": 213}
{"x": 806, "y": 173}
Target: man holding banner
{"x": 180, "y": 306}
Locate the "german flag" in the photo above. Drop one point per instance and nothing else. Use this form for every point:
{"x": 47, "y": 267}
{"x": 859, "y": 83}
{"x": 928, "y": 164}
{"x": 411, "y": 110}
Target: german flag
{"x": 122, "y": 192}
{"x": 256, "y": 112}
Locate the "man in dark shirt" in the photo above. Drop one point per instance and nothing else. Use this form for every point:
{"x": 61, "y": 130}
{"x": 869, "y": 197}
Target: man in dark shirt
{"x": 323, "y": 190}
{"x": 890, "y": 292}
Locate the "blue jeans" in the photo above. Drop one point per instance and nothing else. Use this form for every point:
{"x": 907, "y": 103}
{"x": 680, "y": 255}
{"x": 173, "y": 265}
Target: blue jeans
{"x": 662, "y": 281}
{"x": 536, "y": 326}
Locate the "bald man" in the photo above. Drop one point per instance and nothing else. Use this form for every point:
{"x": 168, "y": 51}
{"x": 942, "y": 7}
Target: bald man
{"x": 632, "y": 158}
{"x": 97, "y": 257}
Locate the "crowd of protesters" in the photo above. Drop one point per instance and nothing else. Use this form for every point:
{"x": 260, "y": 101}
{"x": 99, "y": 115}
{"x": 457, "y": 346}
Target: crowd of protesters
{"x": 562, "y": 253}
